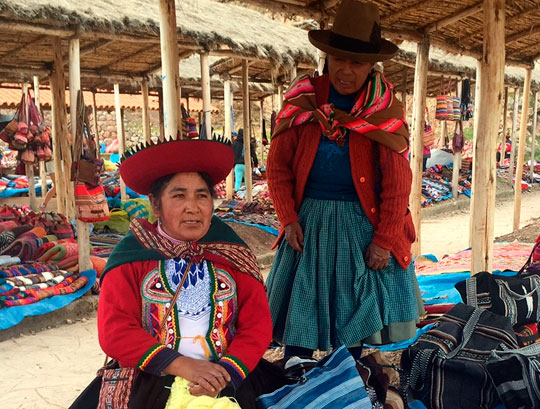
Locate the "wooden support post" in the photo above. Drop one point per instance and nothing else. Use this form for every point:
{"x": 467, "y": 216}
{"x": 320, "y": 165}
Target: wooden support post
{"x": 404, "y": 92}
{"x": 503, "y": 136}
{"x": 42, "y": 170}
{"x": 510, "y": 176}
{"x": 96, "y": 126}
{"x": 59, "y": 123}
{"x": 293, "y": 73}
{"x": 489, "y": 111}
{"x": 83, "y": 229}
{"x": 457, "y": 161}
{"x": 475, "y": 133}
{"x": 120, "y": 135}
{"x": 261, "y": 120}
{"x": 522, "y": 145}
{"x": 247, "y": 123}
{"x": 321, "y": 61}
{"x": 206, "y": 97}
{"x": 161, "y": 113}
{"x": 145, "y": 113}
{"x": 418, "y": 124}
{"x": 227, "y": 132}
{"x": 29, "y": 168}
{"x": 280, "y": 97}
{"x": 169, "y": 66}
{"x": 533, "y": 134}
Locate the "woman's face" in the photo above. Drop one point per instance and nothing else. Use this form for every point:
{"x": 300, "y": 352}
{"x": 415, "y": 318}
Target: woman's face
{"x": 185, "y": 207}
{"x": 347, "y": 76}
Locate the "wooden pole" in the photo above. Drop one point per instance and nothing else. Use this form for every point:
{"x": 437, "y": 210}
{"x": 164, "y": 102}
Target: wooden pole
{"x": 404, "y": 92}
{"x": 42, "y": 170}
{"x": 533, "y": 135}
{"x": 522, "y": 145}
{"x": 510, "y": 176}
{"x": 293, "y": 73}
{"x": 227, "y": 133}
{"x": 418, "y": 124}
{"x": 59, "y": 124}
{"x": 169, "y": 66}
{"x": 247, "y": 122}
{"x": 489, "y": 111}
{"x": 457, "y": 160}
{"x": 205, "y": 79}
{"x": 83, "y": 229}
{"x": 321, "y": 61}
{"x": 29, "y": 168}
{"x": 475, "y": 133}
{"x": 503, "y": 138}
{"x": 280, "y": 96}
{"x": 96, "y": 126}
{"x": 261, "y": 120}
{"x": 145, "y": 113}
{"x": 161, "y": 113}
{"x": 120, "y": 135}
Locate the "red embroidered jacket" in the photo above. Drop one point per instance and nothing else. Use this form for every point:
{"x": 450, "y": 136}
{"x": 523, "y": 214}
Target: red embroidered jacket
{"x": 135, "y": 296}
{"x": 291, "y": 157}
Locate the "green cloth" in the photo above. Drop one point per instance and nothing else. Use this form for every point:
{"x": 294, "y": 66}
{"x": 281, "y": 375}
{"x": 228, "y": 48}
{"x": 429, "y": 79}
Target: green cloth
{"x": 129, "y": 249}
{"x": 326, "y": 296}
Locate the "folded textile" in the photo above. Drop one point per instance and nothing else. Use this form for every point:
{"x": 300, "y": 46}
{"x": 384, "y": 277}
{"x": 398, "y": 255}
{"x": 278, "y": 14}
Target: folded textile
{"x": 25, "y": 268}
{"x": 8, "y": 261}
{"x": 59, "y": 252}
{"x": 47, "y": 246}
{"x": 8, "y": 225}
{"x": 26, "y": 247}
{"x": 9, "y": 236}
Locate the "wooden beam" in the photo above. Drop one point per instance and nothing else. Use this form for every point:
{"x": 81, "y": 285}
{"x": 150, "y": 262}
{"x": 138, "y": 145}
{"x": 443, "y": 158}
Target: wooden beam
{"x": 42, "y": 170}
{"x": 145, "y": 112}
{"x": 284, "y": 9}
{"x": 247, "y": 126}
{"x": 417, "y": 133}
{"x": 490, "y": 103}
{"x": 29, "y": 168}
{"x": 522, "y": 34}
{"x": 11, "y": 55}
{"x": 261, "y": 121}
{"x": 96, "y": 126}
{"x": 503, "y": 136}
{"x": 521, "y": 151}
{"x": 169, "y": 70}
{"x": 206, "y": 97}
{"x": 126, "y": 57}
{"x": 227, "y": 132}
{"x": 120, "y": 135}
{"x": 510, "y": 175}
{"x": 437, "y": 25}
{"x": 59, "y": 124}
{"x": 457, "y": 155}
{"x": 90, "y": 48}
{"x": 533, "y": 135}
{"x": 161, "y": 118}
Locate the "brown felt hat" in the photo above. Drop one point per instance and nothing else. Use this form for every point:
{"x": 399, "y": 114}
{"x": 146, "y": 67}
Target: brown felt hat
{"x": 355, "y": 34}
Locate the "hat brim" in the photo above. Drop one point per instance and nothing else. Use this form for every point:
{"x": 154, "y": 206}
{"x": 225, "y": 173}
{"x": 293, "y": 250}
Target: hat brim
{"x": 144, "y": 167}
{"x": 321, "y": 40}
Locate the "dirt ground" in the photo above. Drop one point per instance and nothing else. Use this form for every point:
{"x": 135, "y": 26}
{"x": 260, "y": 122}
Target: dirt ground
{"x": 48, "y": 369}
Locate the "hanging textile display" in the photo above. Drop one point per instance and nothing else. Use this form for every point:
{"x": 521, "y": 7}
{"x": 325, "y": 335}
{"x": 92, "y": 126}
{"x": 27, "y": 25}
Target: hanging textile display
{"x": 466, "y": 104}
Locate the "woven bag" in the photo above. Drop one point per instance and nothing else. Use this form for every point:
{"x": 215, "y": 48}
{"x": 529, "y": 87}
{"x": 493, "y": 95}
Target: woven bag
{"x": 91, "y": 203}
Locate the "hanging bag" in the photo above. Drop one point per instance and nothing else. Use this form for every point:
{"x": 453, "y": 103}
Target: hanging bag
{"x": 458, "y": 141}
{"x": 446, "y": 365}
{"x": 442, "y": 113}
{"x": 334, "y": 383}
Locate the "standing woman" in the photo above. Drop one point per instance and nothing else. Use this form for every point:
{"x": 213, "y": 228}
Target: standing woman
{"x": 339, "y": 179}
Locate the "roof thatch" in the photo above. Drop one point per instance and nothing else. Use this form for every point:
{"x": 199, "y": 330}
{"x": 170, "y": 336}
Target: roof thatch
{"x": 455, "y": 26}
{"x": 120, "y": 39}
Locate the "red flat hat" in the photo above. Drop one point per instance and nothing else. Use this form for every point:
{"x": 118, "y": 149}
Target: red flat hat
{"x": 142, "y": 166}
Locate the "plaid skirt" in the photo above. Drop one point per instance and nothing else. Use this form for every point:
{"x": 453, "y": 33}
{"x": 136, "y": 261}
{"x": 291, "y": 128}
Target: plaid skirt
{"x": 327, "y": 297}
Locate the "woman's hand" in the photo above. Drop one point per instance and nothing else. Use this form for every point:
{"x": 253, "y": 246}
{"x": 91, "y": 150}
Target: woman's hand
{"x": 206, "y": 378}
{"x": 376, "y": 257}
{"x": 295, "y": 236}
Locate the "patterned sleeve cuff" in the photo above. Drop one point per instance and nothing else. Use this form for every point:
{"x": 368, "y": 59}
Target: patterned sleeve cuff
{"x": 235, "y": 368}
{"x": 156, "y": 359}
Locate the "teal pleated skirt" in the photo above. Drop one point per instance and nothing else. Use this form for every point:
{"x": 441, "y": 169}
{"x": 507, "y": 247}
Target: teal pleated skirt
{"x": 326, "y": 296}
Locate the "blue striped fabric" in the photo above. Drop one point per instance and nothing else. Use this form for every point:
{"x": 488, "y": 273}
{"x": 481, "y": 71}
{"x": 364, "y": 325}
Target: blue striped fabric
{"x": 334, "y": 383}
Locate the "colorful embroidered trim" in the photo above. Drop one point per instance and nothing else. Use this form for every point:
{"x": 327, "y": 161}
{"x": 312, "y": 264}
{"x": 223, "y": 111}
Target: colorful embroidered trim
{"x": 235, "y": 363}
{"x": 149, "y": 355}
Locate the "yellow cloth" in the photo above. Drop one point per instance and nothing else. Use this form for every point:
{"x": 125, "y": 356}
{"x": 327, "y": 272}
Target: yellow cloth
{"x": 109, "y": 166}
{"x": 180, "y": 398}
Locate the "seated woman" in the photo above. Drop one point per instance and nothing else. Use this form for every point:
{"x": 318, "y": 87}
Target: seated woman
{"x": 183, "y": 296}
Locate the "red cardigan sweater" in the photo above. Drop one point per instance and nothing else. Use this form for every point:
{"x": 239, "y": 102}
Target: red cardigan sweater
{"x": 291, "y": 157}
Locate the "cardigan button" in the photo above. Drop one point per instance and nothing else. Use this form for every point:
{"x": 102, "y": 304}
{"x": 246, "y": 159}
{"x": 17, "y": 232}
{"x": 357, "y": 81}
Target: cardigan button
{"x": 218, "y": 343}
{"x": 219, "y": 315}
{"x": 406, "y": 258}
{"x": 362, "y": 179}
{"x": 373, "y": 210}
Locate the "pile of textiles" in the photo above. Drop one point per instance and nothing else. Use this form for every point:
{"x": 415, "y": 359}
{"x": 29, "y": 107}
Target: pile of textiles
{"x": 526, "y": 180}
{"x": 437, "y": 184}
{"x": 111, "y": 185}
{"x": 259, "y": 191}
{"x": 12, "y": 185}
{"x": 53, "y": 223}
{"x": 259, "y": 213}
{"x": 25, "y": 283}
{"x": 104, "y": 243}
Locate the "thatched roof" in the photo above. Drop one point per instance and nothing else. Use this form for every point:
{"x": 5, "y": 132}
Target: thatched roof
{"x": 455, "y": 26}
{"x": 120, "y": 39}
